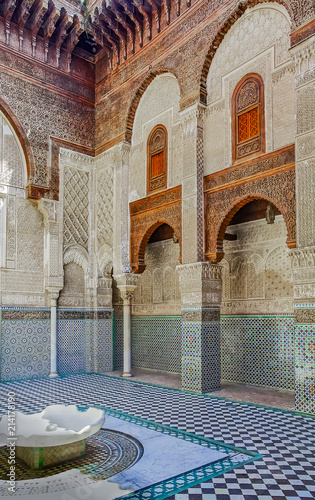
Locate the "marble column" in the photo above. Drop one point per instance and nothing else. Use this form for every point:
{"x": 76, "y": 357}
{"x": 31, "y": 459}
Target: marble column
{"x": 127, "y": 296}
{"x": 127, "y": 283}
{"x": 53, "y": 334}
{"x": 200, "y": 286}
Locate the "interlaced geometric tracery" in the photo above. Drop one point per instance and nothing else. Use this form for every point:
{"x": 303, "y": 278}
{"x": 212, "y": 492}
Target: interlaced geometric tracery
{"x": 76, "y": 207}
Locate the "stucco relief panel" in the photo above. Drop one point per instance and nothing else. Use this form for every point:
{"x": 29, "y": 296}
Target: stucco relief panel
{"x": 256, "y": 269}
{"x": 158, "y": 105}
{"x": 157, "y": 286}
{"x": 257, "y": 30}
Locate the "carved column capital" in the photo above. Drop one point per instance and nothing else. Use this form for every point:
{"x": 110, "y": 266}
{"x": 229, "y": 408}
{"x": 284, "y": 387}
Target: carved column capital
{"x": 303, "y": 272}
{"x": 192, "y": 120}
{"x": 200, "y": 284}
{"x": 48, "y": 208}
{"x": 126, "y": 281}
{"x": 53, "y": 295}
{"x": 126, "y": 296}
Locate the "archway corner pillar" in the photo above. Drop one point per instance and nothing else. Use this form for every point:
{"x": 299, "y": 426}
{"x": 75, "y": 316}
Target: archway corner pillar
{"x": 127, "y": 283}
{"x": 303, "y": 276}
{"x": 200, "y": 287}
{"x": 53, "y": 292}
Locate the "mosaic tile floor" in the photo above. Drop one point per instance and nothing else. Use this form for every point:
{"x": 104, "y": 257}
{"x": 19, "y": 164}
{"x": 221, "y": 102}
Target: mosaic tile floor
{"x": 286, "y": 440}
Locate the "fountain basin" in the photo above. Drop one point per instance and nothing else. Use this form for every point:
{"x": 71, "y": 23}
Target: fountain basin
{"x": 53, "y": 436}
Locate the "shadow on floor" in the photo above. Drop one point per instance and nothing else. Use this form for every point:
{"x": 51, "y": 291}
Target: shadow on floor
{"x": 275, "y": 398}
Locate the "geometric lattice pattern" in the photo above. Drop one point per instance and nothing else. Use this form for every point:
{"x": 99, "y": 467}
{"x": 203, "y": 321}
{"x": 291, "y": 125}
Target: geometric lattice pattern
{"x": 71, "y": 346}
{"x": 84, "y": 344}
{"x": 25, "y": 348}
{"x": 104, "y": 207}
{"x": 118, "y": 342}
{"x": 200, "y": 355}
{"x": 285, "y": 440}
{"x": 76, "y": 207}
{"x": 156, "y": 343}
{"x": 258, "y": 350}
{"x": 101, "y": 344}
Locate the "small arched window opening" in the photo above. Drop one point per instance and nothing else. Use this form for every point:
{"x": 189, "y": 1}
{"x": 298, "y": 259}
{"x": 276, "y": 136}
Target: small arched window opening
{"x": 157, "y": 160}
{"x": 12, "y": 160}
{"x": 248, "y": 118}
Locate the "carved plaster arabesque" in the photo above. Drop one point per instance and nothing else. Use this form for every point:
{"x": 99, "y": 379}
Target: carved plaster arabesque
{"x": 148, "y": 214}
{"x": 270, "y": 177}
{"x": 304, "y": 57}
{"x": 192, "y": 124}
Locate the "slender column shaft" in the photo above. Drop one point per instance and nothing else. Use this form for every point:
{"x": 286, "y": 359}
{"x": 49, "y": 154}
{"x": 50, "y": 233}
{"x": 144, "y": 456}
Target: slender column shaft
{"x": 53, "y": 337}
{"x": 127, "y": 335}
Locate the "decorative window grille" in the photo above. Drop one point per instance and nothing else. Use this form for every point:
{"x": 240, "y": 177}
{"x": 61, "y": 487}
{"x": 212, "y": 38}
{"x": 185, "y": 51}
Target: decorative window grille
{"x": 157, "y": 160}
{"x": 248, "y": 124}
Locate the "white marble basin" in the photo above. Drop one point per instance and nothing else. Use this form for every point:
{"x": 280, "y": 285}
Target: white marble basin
{"x": 54, "y": 426}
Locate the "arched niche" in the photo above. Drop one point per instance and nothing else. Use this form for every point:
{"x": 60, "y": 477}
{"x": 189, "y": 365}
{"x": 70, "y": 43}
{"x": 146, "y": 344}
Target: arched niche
{"x": 158, "y": 105}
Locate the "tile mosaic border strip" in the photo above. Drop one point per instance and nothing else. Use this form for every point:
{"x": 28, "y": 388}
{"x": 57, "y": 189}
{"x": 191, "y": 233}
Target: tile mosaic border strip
{"x": 257, "y": 316}
{"x": 159, "y": 491}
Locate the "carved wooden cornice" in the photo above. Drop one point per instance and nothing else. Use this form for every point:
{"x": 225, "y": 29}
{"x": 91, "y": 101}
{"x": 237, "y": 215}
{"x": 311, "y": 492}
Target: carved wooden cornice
{"x": 146, "y": 215}
{"x": 303, "y": 33}
{"x": 257, "y": 167}
{"x": 270, "y": 177}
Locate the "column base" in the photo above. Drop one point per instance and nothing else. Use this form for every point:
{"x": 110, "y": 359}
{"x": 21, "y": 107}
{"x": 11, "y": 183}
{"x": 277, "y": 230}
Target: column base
{"x": 53, "y": 375}
{"x": 127, "y": 374}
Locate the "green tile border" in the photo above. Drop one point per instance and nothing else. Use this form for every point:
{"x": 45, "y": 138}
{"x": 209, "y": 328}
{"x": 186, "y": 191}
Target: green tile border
{"x": 159, "y": 491}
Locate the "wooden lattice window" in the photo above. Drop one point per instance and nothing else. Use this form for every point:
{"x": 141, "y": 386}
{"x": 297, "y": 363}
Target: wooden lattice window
{"x": 157, "y": 159}
{"x": 248, "y": 120}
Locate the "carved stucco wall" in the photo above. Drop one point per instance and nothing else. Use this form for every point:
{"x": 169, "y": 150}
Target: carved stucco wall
{"x": 73, "y": 292}
{"x": 257, "y": 43}
{"x": 87, "y": 203}
{"x": 257, "y": 270}
{"x": 304, "y": 56}
{"x": 158, "y": 286}
{"x": 21, "y": 229}
{"x": 257, "y": 323}
{"x": 158, "y": 105}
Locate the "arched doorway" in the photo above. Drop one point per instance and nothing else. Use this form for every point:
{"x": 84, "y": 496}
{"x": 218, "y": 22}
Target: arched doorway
{"x": 257, "y": 325}
{"x": 156, "y": 305}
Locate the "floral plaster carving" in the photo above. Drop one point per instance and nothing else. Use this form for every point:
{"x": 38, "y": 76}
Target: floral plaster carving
{"x": 148, "y": 214}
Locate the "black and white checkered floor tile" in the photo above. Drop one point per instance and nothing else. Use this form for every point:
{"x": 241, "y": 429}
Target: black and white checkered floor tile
{"x": 286, "y": 440}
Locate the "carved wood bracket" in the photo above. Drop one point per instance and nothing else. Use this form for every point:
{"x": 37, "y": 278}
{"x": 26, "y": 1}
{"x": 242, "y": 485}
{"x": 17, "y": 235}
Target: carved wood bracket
{"x": 146, "y": 215}
{"x": 270, "y": 177}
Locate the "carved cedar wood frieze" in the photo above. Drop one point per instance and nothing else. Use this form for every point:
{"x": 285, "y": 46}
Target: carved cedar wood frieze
{"x": 146, "y": 215}
{"x": 271, "y": 177}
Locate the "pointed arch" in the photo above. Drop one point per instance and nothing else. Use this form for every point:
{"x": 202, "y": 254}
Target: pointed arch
{"x": 224, "y": 28}
{"x": 139, "y": 93}
{"x": 218, "y": 255}
{"x": 139, "y": 265}
{"x": 22, "y": 137}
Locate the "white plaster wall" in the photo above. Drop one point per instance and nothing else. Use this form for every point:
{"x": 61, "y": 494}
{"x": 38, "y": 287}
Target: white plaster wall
{"x": 257, "y": 269}
{"x": 158, "y": 105}
{"x": 257, "y": 43}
